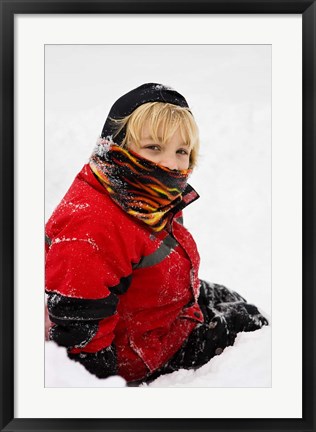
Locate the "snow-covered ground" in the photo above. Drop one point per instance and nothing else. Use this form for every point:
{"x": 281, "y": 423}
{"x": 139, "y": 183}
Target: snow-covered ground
{"x": 245, "y": 364}
{"x": 229, "y": 90}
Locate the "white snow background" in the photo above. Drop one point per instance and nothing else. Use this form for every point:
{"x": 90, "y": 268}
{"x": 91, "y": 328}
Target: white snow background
{"x": 228, "y": 88}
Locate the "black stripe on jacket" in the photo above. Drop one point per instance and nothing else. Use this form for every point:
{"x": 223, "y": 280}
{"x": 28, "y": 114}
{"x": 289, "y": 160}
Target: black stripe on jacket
{"x": 164, "y": 249}
{"x": 102, "y": 363}
{"x": 77, "y": 320}
{"x": 62, "y": 308}
{"x": 73, "y": 334}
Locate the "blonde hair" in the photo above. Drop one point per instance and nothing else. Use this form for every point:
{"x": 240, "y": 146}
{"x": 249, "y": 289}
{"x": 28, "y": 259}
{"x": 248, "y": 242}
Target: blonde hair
{"x": 163, "y": 119}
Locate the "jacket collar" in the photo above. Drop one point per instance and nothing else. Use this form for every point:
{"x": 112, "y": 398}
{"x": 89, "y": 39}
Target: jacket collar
{"x": 189, "y": 195}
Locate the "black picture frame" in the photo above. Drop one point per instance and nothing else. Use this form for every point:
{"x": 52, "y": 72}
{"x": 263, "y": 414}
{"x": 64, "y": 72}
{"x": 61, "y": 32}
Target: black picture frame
{"x": 8, "y": 10}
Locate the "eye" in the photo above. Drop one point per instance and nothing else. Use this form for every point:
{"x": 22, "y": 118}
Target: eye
{"x": 183, "y": 152}
{"x": 153, "y": 147}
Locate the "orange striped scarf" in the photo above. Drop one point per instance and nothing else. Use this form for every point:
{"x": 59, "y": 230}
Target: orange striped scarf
{"x": 140, "y": 187}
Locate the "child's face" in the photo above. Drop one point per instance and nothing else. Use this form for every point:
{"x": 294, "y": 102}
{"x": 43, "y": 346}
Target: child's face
{"x": 173, "y": 154}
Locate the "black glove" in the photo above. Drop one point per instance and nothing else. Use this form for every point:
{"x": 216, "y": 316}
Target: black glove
{"x": 212, "y": 294}
{"x": 218, "y": 301}
{"x": 73, "y": 334}
{"x": 242, "y": 316}
{"x": 102, "y": 363}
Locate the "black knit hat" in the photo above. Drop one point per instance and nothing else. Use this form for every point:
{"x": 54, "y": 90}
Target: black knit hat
{"x": 126, "y": 104}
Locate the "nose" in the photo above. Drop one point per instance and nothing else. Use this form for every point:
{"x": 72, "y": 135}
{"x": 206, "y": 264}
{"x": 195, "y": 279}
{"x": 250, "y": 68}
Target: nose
{"x": 169, "y": 162}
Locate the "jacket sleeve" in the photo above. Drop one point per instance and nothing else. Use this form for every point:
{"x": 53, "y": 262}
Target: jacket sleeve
{"x": 82, "y": 286}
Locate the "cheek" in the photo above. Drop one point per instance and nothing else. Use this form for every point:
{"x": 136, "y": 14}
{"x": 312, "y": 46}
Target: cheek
{"x": 136, "y": 149}
{"x": 142, "y": 152}
{"x": 133, "y": 147}
{"x": 185, "y": 164}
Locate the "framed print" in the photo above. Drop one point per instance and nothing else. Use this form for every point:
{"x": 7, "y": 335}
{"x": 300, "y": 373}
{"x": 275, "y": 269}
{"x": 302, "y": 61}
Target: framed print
{"x": 240, "y": 190}
{"x": 248, "y": 70}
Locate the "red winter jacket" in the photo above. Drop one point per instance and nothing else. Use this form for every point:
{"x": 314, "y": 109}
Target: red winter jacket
{"x": 112, "y": 281}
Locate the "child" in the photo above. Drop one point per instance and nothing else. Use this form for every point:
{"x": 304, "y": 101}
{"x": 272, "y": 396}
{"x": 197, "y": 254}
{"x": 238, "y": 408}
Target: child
{"x": 122, "y": 280}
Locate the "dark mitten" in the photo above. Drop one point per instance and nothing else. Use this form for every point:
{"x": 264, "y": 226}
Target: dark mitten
{"x": 211, "y": 294}
{"x": 102, "y": 363}
{"x": 73, "y": 334}
{"x": 242, "y": 316}
{"x": 217, "y": 301}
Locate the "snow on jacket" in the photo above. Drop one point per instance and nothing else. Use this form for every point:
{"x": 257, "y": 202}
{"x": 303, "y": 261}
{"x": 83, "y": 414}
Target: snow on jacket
{"x": 114, "y": 283}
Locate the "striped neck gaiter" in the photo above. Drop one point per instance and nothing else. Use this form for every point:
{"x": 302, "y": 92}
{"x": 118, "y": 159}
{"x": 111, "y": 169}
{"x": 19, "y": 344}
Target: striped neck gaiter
{"x": 140, "y": 187}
